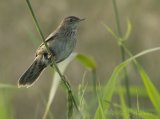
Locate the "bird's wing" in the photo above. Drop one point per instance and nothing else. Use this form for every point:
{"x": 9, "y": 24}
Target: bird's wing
{"x": 50, "y": 37}
{"x": 40, "y": 49}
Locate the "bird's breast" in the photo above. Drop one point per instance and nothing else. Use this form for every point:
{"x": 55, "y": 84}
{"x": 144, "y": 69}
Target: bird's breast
{"x": 63, "y": 47}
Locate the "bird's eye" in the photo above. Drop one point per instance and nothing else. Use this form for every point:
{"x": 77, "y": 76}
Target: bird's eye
{"x": 71, "y": 20}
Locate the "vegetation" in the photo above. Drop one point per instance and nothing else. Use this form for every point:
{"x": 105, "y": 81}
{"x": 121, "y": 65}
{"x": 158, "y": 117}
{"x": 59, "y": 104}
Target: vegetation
{"x": 101, "y": 104}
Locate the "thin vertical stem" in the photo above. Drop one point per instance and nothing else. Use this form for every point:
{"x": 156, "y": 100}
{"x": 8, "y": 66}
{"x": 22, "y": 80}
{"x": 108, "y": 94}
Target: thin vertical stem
{"x": 123, "y": 55}
{"x": 35, "y": 20}
{"x": 94, "y": 76}
{"x": 66, "y": 83}
{"x": 117, "y": 18}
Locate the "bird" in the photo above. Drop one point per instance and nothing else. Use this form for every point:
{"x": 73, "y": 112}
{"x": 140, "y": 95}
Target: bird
{"x": 61, "y": 44}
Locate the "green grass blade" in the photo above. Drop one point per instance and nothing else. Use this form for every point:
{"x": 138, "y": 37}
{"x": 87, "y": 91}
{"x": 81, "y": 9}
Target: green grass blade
{"x": 87, "y": 61}
{"x": 5, "y": 109}
{"x": 108, "y": 91}
{"x": 110, "y": 31}
{"x": 125, "y": 111}
{"x": 111, "y": 85}
{"x": 143, "y": 115}
{"x": 115, "y": 8}
{"x": 100, "y": 112}
{"x": 81, "y": 99}
{"x": 35, "y": 19}
{"x": 151, "y": 89}
{"x": 7, "y": 86}
{"x": 128, "y": 32}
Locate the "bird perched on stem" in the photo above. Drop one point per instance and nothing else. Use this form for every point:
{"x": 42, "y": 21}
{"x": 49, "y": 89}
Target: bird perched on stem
{"x": 61, "y": 44}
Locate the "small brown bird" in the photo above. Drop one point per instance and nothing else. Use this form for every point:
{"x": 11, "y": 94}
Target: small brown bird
{"x": 61, "y": 44}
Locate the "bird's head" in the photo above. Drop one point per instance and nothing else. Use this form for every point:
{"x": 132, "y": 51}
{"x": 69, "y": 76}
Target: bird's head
{"x": 71, "y": 22}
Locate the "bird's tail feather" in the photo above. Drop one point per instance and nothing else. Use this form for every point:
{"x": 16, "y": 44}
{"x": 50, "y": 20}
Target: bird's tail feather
{"x": 32, "y": 73}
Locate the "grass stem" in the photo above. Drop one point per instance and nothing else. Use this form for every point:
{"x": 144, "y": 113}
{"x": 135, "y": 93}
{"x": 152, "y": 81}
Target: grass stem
{"x": 66, "y": 83}
{"x": 123, "y": 55}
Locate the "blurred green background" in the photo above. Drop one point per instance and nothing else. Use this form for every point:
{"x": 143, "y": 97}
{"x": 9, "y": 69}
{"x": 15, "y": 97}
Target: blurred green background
{"x": 17, "y": 49}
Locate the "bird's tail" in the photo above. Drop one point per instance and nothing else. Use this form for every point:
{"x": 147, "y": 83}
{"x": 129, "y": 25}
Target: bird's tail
{"x": 32, "y": 73}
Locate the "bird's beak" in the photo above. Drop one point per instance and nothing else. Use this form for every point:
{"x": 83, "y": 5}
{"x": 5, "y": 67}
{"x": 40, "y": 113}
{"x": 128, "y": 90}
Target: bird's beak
{"x": 81, "y": 19}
